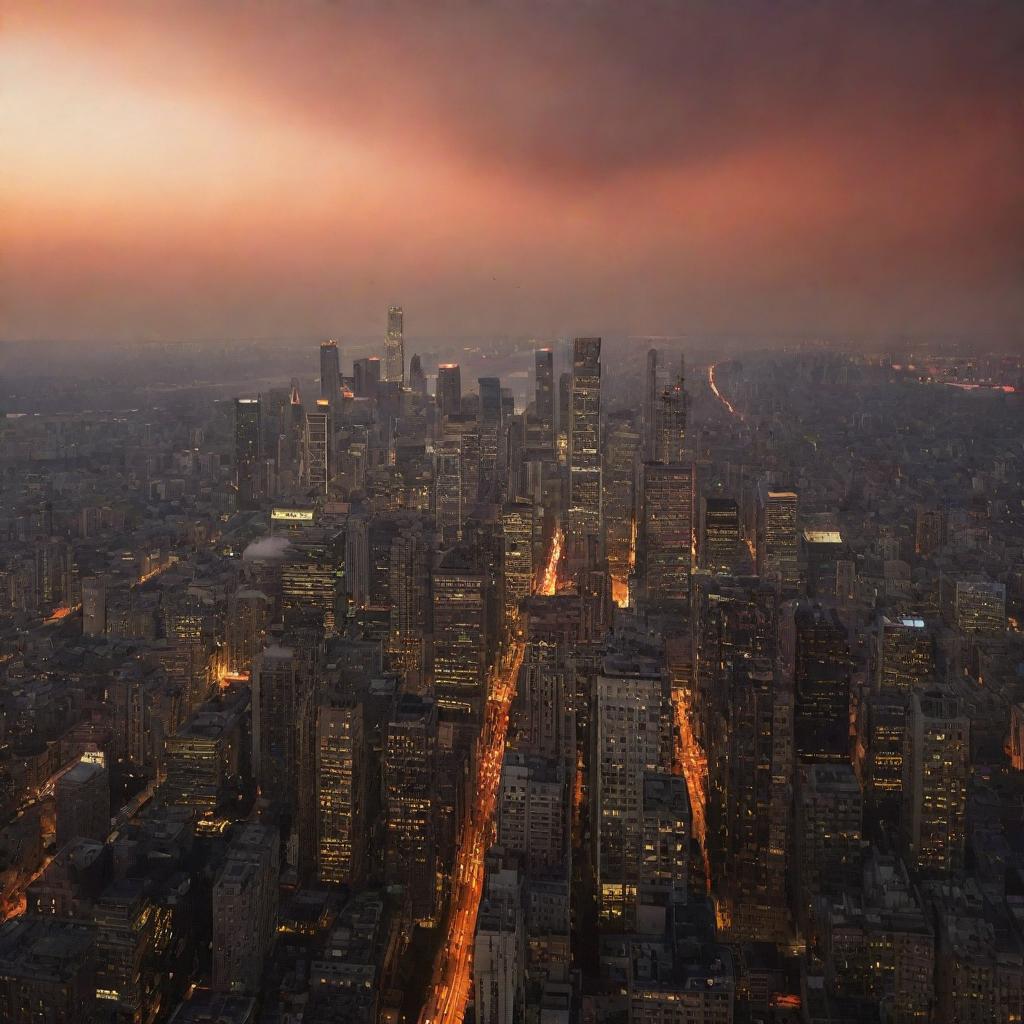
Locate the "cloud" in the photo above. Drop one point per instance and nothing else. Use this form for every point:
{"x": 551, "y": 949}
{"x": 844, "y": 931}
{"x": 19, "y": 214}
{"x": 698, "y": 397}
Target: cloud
{"x": 267, "y": 548}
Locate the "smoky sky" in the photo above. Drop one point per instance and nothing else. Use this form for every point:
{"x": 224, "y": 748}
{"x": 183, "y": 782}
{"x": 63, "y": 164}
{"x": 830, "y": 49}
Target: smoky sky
{"x": 196, "y": 170}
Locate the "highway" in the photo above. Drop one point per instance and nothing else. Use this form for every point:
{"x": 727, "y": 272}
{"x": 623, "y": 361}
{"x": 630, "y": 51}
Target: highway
{"x": 733, "y": 411}
{"x": 452, "y": 977}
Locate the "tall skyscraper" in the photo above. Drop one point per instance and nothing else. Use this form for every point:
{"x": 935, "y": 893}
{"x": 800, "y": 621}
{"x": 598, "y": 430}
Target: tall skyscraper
{"x": 649, "y": 407}
{"x": 544, "y": 393}
{"x": 585, "y": 447}
{"x": 366, "y": 377}
{"x": 394, "y": 346}
{"x": 449, "y": 390}
{"x": 719, "y": 534}
{"x": 277, "y": 696}
{"x": 618, "y": 481}
{"x": 318, "y": 446}
{"x": 822, "y": 675}
{"x": 904, "y": 654}
{"x": 83, "y": 803}
{"x": 409, "y": 778}
{"x": 448, "y": 490}
{"x": 777, "y": 541}
{"x": 330, "y": 372}
{"x": 341, "y": 790}
{"x": 248, "y": 450}
{"x": 630, "y": 705}
{"x": 936, "y": 767}
{"x": 517, "y": 557}
{"x": 670, "y": 420}
{"x": 665, "y": 531}
{"x": 417, "y": 378}
{"x": 489, "y": 420}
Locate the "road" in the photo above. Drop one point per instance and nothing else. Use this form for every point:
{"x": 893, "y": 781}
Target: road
{"x": 450, "y": 984}
{"x": 733, "y": 411}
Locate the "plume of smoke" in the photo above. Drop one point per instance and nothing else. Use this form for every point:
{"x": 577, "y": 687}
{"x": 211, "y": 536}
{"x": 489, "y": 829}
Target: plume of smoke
{"x": 266, "y": 548}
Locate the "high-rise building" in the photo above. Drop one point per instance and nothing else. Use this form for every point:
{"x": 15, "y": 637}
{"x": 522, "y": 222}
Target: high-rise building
{"x": 409, "y": 598}
{"x": 417, "y": 378}
{"x": 245, "y": 910}
{"x": 621, "y": 446}
{"x": 881, "y": 738}
{"x": 979, "y": 606}
{"x": 499, "y": 950}
{"x": 629, "y": 712}
{"x": 277, "y": 696}
{"x": 758, "y": 796}
{"x": 449, "y": 390}
{"x": 533, "y": 810}
{"x": 366, "y": 377}
{"x": 904, "y": 654}
{"x": 649, "y": 407}
{"x": 585, "y": 448}
{"x": 317, "y": 455}
{"x": 409, "y": 777}
{"x": 341, "y": 790}
{"x": 719, "y": 534}
{"x": 517, "y": 527}
{"x": 248, "y": 450}
{"x": 823, "y": 671}
{"x": 83, "y": 803}
{"x": 330, "y": 372}
{"x": 665, "y": 531}
{"x": 670, "y": 420}
{"x": 394, "y": 346}
{"x": 126, "y": 922}
{"x": 489, "y": 421}
{"x": 666, "y": 831}
{"x": 827, "y": 834}
{"x": 936, "y": 766}
{"x": 777, "y": 539}
{"x": 544, "y": 393}
{"x": 460, "y": 636}
{"x": 448, "y": 491}
{"x": 245, "y": 628}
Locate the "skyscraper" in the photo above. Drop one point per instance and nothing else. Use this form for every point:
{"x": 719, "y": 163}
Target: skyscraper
{"x": 340, "y": 789}
{"x": 670, "y": 420}
{"x": 449, "y": 390}
{"x": 822, "y": 674}
{"x": 417, "y": 378}
{"x": 394, "y": 347}
{"x": 248, "y": 450}
{"x": 276, "y": 699}
{"x": 904, "y": 654}
{"x": 719, "y": 534}
{"x": 83, "y": 803}
{"x": 366, "y": 377}
{"x": 490, "y": 431}
{"x": 649, "y": 407}
{"x": 544, "y": 394}
{"x": 585, "y": 447}
{"x": 330, "y": 372}
{"x": 618, "y": 481}
{"x": 517, "y": 557}
{"x": 777, "y": 543}
{"x": 318, "y": 446}
{"x": 665, "y": 533}
{"x": 448, "y": 490}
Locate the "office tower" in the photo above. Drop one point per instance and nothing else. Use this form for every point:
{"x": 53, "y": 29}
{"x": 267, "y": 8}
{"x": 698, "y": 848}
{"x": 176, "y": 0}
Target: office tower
{"x": 544, "y": 393}
{"x": 585, "y": 448}
{"x": 517, "y": 527}
{"x": 330, "y": 372}
{"x": 777, "y": 544}
{"x": 759, "y": 786}
{"x": 533, "y": 810}
{"x": 649, "y": 407}
{"x": 417, "y": 378}
{"x": 670, "y": 420}
{"x": 245, "y": 628}
{"x": 460, "y": 636}
{"x": 665, "y": 842}
{"x": 904, "y": 654}
{"x": 564, "y": 406}
{"x": 409, "y": 776}
{"x": 629, "y": 711}
{"x": 823, "y": 671}
{"x": 449, "y": 390}
{"x": 618, "y": 480}
{"x": 499, "y": 951}
{"x": 719, "y": 534}
{"x": 248, "y": 450}
{"x": 394, "y": 347}
{"x": 489, "y": 421}
{"x": 126, "y": 921}
{"x": 827, "y": 834}
{"x": 881, "y": 738}
{"x": 366, "y": 377}
{"x": 317, "y": 450}
{"x": 313, "y": 573}
{"x": 341, "y": 790}
{"x": 409, "y": 598}
{"x": 245, "y": 910}
{"x": 448, "y": 491}
{"x": 277, "y": 697}
{"x": 979, "y": 607}
{"x": 206, "y": 762}
{"x": 94, "y": 606}
{"x": 83, "y": 803}
{"x": 665, "y": 531}
{"x": 929, "y": 532}
{"x": 936, "y": 766}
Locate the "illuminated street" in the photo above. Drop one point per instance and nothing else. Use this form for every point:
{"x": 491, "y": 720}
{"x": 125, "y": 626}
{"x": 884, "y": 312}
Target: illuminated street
{"x": 718, "y": 394}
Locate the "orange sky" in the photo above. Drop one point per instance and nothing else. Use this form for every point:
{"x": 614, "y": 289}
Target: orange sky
{"x": 197, "y": 170}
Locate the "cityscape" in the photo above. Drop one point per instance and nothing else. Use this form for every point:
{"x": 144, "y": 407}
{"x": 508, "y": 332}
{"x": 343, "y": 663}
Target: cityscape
{"x": 385, "y": 641}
